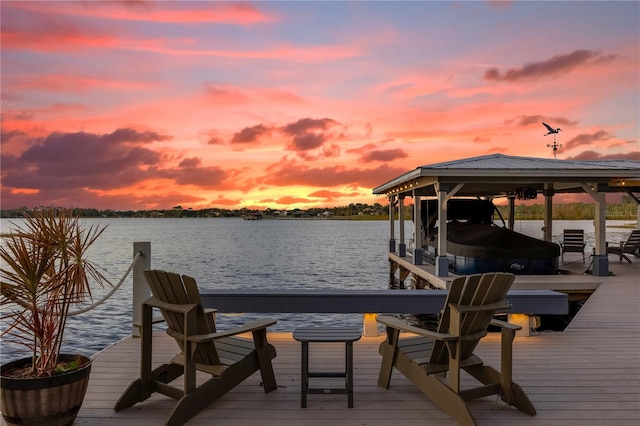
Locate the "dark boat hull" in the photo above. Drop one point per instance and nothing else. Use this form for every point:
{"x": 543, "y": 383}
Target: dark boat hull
{"x": 516, "y": 265}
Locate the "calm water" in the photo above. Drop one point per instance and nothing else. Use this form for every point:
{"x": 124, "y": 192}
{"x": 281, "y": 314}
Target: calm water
{"x": 233, "y": 253}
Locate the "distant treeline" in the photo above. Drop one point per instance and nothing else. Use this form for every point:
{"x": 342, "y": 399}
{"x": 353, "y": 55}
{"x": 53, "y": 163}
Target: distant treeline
{"x": 625, "y": 210}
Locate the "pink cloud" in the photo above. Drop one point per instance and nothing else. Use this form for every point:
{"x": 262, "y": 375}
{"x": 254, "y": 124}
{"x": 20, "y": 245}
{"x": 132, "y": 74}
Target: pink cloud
{"x": 204, "y": 12}
{"x": 62, "y": 164}
{"x": 551, "y": 67}
{"x": 587, "y": 139}
{"x": 384, "y": 155}
{"x": 250, "y": 134}
{"x": 225, "y": 94}
{"x": 75, "y": 83}
{"x": 309, "y": 133}
{"x": 592, "y": 155}
{"x": 530, "y": 120}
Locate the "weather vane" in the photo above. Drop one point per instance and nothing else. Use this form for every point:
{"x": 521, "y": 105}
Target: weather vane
{"x": 553, "y": 132}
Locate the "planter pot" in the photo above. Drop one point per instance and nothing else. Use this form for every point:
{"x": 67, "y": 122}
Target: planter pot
{"x": 52, "y": 401}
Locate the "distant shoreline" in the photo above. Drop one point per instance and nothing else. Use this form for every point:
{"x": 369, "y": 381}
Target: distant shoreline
{"x": 626, "y": 210}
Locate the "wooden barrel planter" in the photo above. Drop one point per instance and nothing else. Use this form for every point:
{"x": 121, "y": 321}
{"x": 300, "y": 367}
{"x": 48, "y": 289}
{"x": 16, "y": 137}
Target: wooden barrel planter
{"x": 52, "y": 401}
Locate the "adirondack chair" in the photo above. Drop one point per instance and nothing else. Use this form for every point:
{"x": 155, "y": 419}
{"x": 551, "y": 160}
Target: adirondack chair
{"x": 426, "y": 356}
{"x": 573, "y": 242}
{"x": 626, "y": 247}
{"x": 227, "y": 358}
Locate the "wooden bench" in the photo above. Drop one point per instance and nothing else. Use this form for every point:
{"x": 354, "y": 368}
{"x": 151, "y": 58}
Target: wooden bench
{"x": 369, "y": 302}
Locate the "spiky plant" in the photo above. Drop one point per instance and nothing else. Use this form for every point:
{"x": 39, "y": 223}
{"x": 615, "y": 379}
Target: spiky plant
{"x": 44, "y": 274}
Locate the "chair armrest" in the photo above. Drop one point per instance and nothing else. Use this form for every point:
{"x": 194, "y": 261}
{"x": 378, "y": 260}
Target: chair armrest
{"x": 245, "y": 328}
{"x": 507, "y": 325}
{"x": 171, "y": 307}
{"x": 403, "y": 326}
{"x": 498, "y": 306}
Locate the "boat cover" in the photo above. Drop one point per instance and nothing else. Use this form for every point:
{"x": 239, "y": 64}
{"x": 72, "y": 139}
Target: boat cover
{"x": 480, "y": 240}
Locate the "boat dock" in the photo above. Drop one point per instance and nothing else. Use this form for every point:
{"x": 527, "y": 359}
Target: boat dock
{"x": 588, "y": 374}
{"x": 577, "y": 284}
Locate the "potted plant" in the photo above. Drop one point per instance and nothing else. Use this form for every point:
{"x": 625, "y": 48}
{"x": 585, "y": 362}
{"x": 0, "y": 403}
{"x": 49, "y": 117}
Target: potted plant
{"x": 44, "y": 275}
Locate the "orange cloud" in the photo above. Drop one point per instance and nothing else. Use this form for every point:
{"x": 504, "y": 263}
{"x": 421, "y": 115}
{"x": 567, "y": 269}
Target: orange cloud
{"x": 291, "y": 200}
{"x": 333, "y": 176}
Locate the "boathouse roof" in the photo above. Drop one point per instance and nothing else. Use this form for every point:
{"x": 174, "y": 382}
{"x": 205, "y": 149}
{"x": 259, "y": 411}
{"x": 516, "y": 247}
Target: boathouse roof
{"x": 500, "y": 175}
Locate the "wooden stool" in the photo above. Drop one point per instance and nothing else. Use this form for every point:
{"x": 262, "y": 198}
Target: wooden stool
{"x": 348, "y": 335}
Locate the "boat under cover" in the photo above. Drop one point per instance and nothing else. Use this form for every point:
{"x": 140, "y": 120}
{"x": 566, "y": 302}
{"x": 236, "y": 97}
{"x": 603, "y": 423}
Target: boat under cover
{"x": 476, "y": 245}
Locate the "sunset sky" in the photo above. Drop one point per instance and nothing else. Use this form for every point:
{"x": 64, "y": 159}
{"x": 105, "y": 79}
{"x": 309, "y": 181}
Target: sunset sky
{"x": 149, "y": 105}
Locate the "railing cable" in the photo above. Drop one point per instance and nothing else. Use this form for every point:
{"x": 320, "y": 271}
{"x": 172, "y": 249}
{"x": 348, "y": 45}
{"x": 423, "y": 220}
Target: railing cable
{"x": 113, "y": 290}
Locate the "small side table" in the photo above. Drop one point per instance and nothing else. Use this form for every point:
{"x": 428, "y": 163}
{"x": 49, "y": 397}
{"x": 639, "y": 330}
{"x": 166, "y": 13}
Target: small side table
{"x": 348, "y": 335}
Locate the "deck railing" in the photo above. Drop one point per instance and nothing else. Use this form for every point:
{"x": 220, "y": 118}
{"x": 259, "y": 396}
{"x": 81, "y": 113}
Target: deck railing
{"x": 524, "y": 303}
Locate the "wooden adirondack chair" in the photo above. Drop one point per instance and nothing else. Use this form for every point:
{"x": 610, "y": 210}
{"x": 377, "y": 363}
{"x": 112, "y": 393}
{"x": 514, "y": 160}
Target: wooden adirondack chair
{"x": 426, "y": 357}
{"x": 626, "y": 247}
{"x": 573, "y": 242}
{"x": 229, "y": 359}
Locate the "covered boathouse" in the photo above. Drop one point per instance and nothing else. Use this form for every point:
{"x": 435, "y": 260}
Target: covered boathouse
{"x": 496, "y": 176}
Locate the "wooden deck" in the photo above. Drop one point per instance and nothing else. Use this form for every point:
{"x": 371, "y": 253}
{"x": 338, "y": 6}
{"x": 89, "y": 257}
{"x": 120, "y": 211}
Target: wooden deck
{"x": 586, "y": 375}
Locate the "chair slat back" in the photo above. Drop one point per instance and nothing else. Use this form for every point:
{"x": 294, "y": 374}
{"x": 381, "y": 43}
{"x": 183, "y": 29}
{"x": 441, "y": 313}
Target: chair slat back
{"x": 573, "y": 238}
{"x": 173, "y": 288}
{"x": 632, "y": 242}
{"x": 472, "y": 290}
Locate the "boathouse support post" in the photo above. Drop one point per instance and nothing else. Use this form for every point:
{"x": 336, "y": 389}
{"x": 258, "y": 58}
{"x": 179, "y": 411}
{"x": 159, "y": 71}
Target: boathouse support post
{"x": 600, "y": 259}
{"x": 548, "y": 212}
{"x": 392, "y": 231}
{"x": 141, "y": 290}
{"x": 417, "y": 227}
{"x": 402, "y": 248}
{"x": 512, "y": 211}
{"x": 442, "y": 262}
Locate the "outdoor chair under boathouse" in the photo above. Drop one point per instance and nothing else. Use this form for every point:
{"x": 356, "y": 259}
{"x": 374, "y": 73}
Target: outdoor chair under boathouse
{"x": 573, "y": 242}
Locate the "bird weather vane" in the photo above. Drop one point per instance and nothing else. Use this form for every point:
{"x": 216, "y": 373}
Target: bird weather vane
{"x": 553, "y": 132}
